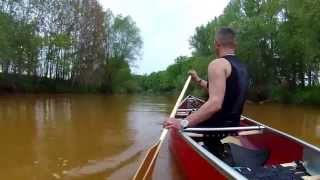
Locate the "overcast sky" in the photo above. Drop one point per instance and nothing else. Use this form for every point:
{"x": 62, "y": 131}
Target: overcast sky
{"x": 166, "y": 26}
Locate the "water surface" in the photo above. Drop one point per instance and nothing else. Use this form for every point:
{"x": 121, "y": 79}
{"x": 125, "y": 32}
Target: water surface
{"x": 78, "y": 136}
{"x": 301, "y": 121}
{"x": 104, "y": 137}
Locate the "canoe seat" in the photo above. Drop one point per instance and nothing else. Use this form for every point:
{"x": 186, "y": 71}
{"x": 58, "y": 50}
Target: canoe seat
{"x": 231, "y": 139}
{"x": 236, "y": 139}
{"x": 317, "y": 177}
{"x": 238, "y": 156}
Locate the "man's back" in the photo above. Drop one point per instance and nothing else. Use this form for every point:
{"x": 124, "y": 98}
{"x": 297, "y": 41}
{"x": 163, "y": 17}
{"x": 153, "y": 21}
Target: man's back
{"x": 234, "y": 98}
{"x": 228, "y": 84}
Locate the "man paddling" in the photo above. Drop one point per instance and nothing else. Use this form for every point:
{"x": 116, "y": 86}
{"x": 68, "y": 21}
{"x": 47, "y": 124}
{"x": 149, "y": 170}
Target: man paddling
{"x": 227, "y": 87}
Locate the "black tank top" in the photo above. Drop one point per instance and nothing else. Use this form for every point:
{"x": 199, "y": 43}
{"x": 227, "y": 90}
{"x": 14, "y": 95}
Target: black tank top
{"x": 234, "y": 98}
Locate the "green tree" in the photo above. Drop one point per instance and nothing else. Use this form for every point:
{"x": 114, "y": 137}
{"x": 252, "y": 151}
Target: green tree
{"x": 277, "y": 40}
{"x": 123, "y": 48}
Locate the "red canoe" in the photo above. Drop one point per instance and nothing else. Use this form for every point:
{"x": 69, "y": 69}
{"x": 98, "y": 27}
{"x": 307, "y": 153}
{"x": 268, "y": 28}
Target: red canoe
{"x": 286, "y": 157}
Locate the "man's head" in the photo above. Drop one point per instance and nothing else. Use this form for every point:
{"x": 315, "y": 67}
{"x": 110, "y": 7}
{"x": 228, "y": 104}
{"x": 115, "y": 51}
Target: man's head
{"x": 225, "y": 40}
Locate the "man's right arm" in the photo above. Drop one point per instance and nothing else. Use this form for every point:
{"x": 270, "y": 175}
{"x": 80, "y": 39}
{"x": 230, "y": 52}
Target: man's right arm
{"x": 200, "y": 82}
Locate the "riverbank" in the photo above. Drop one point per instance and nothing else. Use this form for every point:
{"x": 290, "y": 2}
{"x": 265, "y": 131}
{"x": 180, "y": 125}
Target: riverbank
{"x": 16, "y": 84}
{"x": 308, "y": 95}
{"x": 11, "y": 84}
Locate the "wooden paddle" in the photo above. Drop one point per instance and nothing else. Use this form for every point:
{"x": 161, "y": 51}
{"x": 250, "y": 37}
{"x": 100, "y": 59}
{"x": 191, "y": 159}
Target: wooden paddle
{"x": 146, "y": 167}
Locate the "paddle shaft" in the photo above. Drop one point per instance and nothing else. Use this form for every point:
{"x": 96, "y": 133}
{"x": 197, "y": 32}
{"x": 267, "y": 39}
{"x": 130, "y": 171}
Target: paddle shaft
{"x": 175, "y": 108}
{"x": 146, "y": 167}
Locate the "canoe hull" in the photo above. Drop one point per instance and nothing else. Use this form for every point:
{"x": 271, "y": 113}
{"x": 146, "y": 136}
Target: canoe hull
{"x": 197, "y": 163}
{"x": 191, "y": 163}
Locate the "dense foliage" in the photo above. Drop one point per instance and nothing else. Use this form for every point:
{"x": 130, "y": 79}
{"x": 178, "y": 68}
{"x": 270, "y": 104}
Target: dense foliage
{"x": 278, "y": 40}
{"x": 74, "y": 44}
{"x": 172, "y": 79}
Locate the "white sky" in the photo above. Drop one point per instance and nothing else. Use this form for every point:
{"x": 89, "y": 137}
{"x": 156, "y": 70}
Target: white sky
{"x": 166, "y": 26}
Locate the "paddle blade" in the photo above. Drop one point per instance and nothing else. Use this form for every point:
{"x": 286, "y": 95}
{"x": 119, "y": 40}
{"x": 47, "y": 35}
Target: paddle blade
{"x": 145, "y": 170}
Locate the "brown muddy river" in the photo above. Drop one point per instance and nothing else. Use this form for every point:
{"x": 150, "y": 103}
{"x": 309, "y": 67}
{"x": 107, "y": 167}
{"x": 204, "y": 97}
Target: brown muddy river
{"x": 104, "y": 137}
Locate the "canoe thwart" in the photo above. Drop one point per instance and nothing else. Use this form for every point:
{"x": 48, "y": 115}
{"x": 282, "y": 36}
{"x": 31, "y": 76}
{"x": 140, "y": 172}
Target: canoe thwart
{"x": 187, "y": 110}
{"x": 246, "y": 128}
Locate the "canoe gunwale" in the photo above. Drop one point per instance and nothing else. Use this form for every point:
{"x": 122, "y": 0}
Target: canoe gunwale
{"x": 304, "y": 143}
{"x": 231, "y": 173}
{"x": 216, "y": 163}
{"x": 310, "y": 154}
{"x": 278, "y": 132}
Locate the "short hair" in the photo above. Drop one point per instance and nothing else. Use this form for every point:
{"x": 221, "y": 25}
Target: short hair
{"x": 226, "y": 37}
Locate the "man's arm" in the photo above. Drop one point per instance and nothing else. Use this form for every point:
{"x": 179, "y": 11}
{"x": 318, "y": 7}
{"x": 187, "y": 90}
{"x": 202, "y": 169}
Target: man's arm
{"x": 200, "y": 82}
{"x": 203, "y": 84}
{"x": 218, "y": 71}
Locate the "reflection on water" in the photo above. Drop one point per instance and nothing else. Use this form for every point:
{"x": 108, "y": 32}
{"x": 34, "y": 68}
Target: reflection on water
{"x": 105, "y": 137}
{"x": 69, "y": 136}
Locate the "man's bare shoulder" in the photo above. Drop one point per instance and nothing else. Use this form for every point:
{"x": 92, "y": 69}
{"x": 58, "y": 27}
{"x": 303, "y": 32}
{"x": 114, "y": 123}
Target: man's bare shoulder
{"x": 218, "y": 63}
